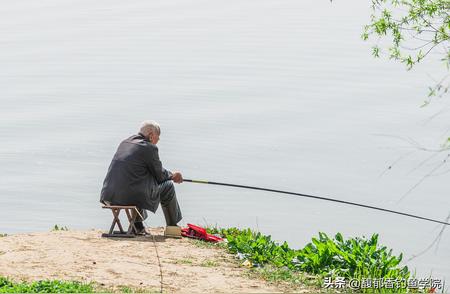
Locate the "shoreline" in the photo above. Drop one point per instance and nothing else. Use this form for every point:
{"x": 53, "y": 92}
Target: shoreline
{"x": 248, "y": 262}
{"x": 119, "y": 265}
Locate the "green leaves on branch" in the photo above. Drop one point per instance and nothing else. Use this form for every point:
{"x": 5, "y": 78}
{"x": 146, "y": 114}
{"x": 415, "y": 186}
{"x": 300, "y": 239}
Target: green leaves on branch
{"x": 414, "y": 28}
{"x": 376, "y": 51}
{"x": 424, "y": 23}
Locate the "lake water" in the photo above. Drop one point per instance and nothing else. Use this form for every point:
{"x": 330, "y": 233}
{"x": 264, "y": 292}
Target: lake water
{"x": 277, "y": 94}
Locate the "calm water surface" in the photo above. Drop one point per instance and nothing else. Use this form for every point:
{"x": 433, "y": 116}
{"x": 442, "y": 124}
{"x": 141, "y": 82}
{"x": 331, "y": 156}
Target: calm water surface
{"x": 283, "y": 95}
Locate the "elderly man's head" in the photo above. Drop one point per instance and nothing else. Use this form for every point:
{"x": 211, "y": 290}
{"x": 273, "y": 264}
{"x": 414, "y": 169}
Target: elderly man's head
{"x": 151, "y": 130}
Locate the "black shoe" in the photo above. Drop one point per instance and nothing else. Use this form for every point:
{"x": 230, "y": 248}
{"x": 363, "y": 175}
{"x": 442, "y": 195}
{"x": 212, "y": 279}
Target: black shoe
{"x": 140, "y": 229}
{"x": 141, "y": 232}
{"x": 139, "y": 225}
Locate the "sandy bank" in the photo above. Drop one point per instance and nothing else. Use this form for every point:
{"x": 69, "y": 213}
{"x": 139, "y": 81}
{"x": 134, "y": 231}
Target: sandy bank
{"x": 85, "y": 256}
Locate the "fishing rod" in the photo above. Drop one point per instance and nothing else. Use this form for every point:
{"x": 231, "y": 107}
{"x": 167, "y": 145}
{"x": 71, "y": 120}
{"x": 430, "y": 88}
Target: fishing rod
{"x": 320, "y": 198}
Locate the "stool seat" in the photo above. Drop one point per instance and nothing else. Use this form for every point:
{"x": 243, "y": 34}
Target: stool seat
{"x": 131, "y": 212}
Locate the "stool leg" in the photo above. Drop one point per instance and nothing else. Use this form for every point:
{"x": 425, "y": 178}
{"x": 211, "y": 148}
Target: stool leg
{"x": 131, "y": 218}
{"x": 119, "y": 224}
{"x": 111, "y": 229}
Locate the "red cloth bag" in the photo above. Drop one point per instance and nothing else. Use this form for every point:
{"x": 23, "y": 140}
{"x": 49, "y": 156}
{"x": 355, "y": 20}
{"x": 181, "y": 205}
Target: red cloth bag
{"x": 196, "y": 232}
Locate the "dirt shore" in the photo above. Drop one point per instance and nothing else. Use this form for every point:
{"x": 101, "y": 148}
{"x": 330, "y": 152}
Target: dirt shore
{"x": 115, "y": 263}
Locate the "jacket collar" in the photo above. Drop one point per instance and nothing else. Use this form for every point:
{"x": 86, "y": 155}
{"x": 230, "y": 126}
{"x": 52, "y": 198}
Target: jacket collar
{"x": 143, "y": 137}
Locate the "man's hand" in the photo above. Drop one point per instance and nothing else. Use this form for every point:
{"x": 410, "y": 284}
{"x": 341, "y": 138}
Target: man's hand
{"x": 177, "y": 177}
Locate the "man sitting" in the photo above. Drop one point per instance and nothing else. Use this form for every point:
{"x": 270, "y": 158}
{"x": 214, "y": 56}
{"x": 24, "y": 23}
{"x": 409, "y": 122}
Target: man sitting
{"x": 137, "y": 177}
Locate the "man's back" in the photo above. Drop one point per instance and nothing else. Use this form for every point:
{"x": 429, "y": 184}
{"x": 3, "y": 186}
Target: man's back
{"x": 133, "y": 175}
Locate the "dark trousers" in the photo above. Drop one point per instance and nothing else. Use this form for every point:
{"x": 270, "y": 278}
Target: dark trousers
{"x": 169, "y": 205}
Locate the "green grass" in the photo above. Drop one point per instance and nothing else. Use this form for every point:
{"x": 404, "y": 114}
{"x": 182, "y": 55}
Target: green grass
{"x": 203, "y": 244}
{"x": 184, "y": 261}
{"x": 55, "y": 286}
{"x": 44, "y": 286}
{"x": 59, "y": 228}
{"x": 286, "y": 278}
{"x": 209, "y": 263}
{"x": 126, "y": 289}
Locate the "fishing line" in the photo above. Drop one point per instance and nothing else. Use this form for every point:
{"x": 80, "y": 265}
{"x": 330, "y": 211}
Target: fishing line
{"x": 157, "y": 253}
{"x": 320, "y": 198}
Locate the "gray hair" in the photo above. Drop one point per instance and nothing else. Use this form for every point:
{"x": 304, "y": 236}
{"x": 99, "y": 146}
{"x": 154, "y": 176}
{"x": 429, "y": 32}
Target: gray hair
{"x": 149, "y": 127}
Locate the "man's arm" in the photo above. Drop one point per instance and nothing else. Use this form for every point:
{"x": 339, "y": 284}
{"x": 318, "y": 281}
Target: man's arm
{"x": 155, "y": 166}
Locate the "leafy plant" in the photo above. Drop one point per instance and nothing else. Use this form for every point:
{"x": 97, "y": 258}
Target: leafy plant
{"x": 354, "y": 258}
{"x": 258, "y": 248}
